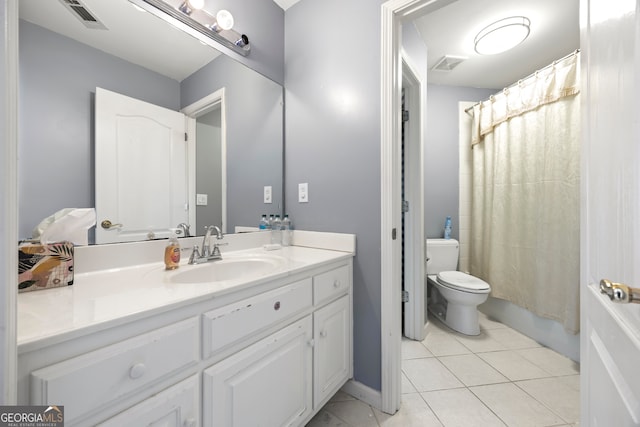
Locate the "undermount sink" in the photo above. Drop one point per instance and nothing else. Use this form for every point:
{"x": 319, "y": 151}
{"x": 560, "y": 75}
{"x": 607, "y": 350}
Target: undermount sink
{"x": 226, "y": 269}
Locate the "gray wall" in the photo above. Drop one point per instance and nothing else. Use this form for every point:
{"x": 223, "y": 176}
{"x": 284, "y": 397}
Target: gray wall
{"x": 208, "y": 170}
{"x": 254, "y": 135}
{"x": 441, "y": 155}
{"x": 332, "y": 81}
{"x": 58, "y": 78}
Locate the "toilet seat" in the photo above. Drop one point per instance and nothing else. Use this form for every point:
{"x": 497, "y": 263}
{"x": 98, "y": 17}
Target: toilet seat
{"x": 463, "y": 282}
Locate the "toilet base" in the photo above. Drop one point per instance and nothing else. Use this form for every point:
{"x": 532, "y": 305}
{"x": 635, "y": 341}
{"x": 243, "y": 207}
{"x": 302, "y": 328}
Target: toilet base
{"x": 460, "y": 318}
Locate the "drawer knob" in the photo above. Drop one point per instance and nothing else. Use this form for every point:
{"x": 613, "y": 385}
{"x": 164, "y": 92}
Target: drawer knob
{"x": 137, "y": 371}
{"x": 336, "y": 283}
{"x": 276, "y": 306}
{"x": 190, "y": 422}
{"x": 323, "y": 333}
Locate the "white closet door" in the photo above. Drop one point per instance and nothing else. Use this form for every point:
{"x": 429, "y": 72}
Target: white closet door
{"x": 141, "y": 169}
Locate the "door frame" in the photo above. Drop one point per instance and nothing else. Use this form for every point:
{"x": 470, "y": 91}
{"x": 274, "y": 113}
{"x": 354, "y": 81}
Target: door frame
{"x": 192, "y": 112}
{"x": 393, "y": 13}
{"x": 9, "y": 203}
{"x": 414, "y": 242}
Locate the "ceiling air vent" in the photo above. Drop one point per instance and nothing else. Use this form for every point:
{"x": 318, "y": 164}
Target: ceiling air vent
{"x": 85, "y": 16}
{"x": 448, "y": 63}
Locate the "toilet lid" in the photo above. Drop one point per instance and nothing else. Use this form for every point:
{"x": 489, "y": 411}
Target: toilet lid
{"x": 462, "y": 281}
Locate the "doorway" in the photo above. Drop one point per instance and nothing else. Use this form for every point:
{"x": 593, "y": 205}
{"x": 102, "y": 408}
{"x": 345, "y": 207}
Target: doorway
{"x": 206, "y": 126}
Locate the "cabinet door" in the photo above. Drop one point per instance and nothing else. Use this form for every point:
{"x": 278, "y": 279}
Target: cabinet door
{"x": 177, "y": 406}
{"x": 266, "y": 384}
{"x": 332, "y": 351}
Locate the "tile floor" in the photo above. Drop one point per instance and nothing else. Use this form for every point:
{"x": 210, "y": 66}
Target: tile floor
{"x": 499, "y": 378}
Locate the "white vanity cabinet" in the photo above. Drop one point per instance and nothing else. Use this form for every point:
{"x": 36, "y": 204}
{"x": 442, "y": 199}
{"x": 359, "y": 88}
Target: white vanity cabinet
{"x": 285, "y": 378}
{"x": 270, "y": 355}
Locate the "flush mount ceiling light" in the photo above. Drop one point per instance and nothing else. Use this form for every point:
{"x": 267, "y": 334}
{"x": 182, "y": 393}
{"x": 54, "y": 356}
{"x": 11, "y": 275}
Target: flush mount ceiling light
{"x": 191, "y": 17}
{"x": 502, "y": 35}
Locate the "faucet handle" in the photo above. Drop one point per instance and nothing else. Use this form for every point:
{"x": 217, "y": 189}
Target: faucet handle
{"x": 216, "y": 248}
{"x": 195, "y": 254}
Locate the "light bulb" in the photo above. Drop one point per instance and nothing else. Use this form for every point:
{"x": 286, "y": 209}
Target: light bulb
{"x": 224, "y": 19}
{"x": 196, "y": 4}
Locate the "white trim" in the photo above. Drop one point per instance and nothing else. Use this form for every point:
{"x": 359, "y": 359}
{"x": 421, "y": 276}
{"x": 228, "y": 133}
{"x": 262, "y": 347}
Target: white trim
{"x": 392, "y": 14}
{"x": 414, "y": 242}
{"x": 364, "y": 393}
{"x": 390, "y": 322}
{"x": 9, "y": 205}
{"x": 193, "y": 111}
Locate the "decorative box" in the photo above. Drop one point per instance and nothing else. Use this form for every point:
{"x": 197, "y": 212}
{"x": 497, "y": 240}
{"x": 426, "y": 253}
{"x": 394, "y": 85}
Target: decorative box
{"x": 44, "y": 266}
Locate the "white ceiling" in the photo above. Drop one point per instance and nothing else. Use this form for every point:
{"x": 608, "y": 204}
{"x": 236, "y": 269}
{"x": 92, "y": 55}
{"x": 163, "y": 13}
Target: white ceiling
{"x": 451, "y": 30}
{"x": 135, "y": 36}
{"x": 143, "y": 39}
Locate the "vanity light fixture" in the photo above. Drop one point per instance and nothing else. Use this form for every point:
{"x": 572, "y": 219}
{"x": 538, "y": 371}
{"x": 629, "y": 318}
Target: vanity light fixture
{"x": 502, "y": 35}
{"x": 190, "y": 16}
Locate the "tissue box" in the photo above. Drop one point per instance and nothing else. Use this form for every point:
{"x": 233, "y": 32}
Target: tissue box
{"x": 44, "y": 266}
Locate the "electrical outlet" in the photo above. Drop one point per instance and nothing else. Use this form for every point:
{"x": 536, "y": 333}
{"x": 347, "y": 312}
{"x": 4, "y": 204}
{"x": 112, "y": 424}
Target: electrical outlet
{"x": 267, "y": 194}
{"x": 303, "y": 192}
{"x": 201, "y": 199}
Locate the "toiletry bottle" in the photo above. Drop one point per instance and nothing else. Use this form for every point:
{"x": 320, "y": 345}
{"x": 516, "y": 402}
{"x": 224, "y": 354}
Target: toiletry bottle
{"x": 447, "y": 228}
{"x": 276, "y": 231}
{"x": 264, "y": 222}
{"x": 172, "y": 252}
{"x": 286, "y": 231}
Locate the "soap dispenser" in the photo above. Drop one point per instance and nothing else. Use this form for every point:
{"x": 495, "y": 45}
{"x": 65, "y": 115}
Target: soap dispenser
{"x": 172, "y": 252}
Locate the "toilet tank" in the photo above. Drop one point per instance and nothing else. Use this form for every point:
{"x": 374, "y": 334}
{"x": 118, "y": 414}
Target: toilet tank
{"x": 442, "y": 255}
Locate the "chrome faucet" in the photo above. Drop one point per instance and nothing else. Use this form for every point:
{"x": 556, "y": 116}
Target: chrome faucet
{"x": 183, "y": 228}
{"x": 208, "y": 254}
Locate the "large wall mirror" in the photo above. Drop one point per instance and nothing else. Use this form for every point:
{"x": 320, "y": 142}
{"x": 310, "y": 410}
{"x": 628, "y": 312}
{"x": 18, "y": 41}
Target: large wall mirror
{"x": 131, "y": 52}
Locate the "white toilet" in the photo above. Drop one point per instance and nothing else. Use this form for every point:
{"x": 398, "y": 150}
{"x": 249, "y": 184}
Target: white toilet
{"x": 455, "y": 295}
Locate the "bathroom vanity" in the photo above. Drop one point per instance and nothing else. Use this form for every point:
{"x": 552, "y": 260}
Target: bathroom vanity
{"x": 259, "y": 338}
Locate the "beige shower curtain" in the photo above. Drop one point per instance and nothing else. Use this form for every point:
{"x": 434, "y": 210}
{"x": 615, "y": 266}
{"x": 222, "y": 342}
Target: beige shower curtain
{"x": 525, "y": 212}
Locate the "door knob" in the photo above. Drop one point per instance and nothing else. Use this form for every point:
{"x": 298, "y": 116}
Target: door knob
{"x": 619, "y": 292}
{"x": 106, "y": 224}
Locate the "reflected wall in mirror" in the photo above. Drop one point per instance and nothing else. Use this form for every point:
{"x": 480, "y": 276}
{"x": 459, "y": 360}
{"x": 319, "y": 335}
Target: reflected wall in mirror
{"x": 58, "y": 78}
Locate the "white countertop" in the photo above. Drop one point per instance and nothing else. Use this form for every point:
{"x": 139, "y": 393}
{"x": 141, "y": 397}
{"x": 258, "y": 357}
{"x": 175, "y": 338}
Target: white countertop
{"x": 100, "y": 298}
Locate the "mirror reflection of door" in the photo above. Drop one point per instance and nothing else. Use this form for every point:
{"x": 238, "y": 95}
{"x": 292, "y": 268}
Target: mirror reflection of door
{"x": 209, "y": 167}
{"x": 140, "y": 154}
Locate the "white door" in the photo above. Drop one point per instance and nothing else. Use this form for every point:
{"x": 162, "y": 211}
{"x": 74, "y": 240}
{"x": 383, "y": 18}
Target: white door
{"x": 268, "y": 384}
{"x": 413, "y": 238}
{"x": 610, "y": 238}
{"x": 141, "y": 169}
{"x": 332, "y": 349}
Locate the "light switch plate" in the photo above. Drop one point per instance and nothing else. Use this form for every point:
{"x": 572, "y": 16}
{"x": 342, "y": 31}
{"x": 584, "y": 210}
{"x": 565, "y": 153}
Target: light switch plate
{"x": 303, "y": 192}
{"x": 201, "y": 199}
{"x": 267, "y": 194}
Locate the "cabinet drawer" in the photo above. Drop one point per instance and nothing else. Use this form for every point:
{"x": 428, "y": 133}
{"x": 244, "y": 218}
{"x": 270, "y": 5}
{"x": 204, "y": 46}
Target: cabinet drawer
{"x": 232, "y": 323}
{"x": 89, "y": 382}
{"x": 179, "y": 405}
{"x": 330, "y": 284}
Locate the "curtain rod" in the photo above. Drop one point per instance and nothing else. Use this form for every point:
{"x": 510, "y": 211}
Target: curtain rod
{"x": 575, "y": 52}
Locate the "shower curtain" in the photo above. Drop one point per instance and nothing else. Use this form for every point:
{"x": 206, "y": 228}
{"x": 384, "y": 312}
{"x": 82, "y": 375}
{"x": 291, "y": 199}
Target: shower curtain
{"x": 525, "y": 212}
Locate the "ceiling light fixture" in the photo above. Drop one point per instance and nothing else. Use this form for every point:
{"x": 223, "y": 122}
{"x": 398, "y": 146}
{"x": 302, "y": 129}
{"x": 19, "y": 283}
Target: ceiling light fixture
{"x": 502, "y": 35}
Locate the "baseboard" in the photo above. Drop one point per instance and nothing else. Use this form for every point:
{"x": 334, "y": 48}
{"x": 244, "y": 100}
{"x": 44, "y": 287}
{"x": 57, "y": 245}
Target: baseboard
{"x": 363, "y": 393}
{"x": 545, "y": 331}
